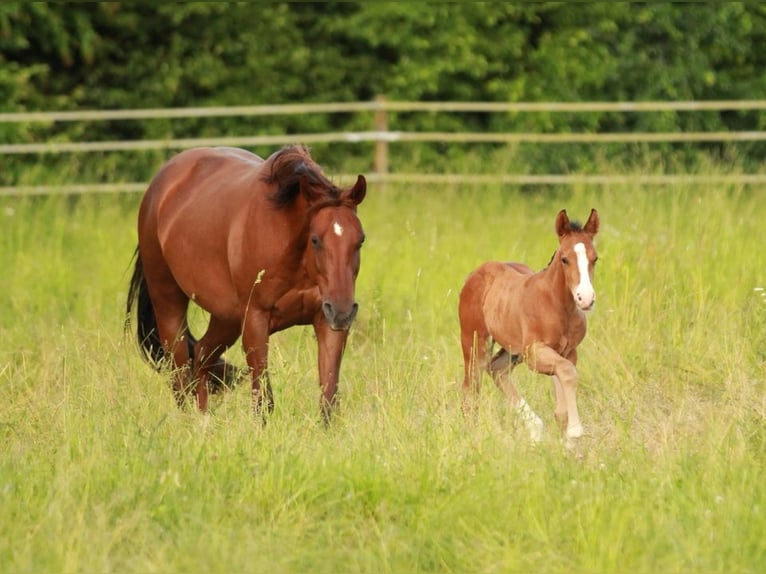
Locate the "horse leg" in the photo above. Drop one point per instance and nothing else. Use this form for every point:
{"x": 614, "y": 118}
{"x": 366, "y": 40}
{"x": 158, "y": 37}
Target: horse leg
{"x": 170, "y": 304}
{"x": 220, "y": 335}
{"x": 543, "y": 359}
{"x": 561, "y": 404}
{"x": 330, "y": 345}
{"x": 255, "y": 341}
{"x": 500, "y": 368}
{"x": 476, "y": 350}
{"x": 173, "y": 331}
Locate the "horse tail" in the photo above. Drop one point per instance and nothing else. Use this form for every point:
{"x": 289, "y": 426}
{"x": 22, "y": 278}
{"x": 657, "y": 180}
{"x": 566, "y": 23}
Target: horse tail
{"x": 146, "y": 323}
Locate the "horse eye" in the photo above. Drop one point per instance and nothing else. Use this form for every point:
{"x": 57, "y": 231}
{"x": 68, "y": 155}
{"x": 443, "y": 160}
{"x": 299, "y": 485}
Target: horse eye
{"x": 315, "y": 241}
{"x": 565, "y": 260}
{"x": 361, "y": 242}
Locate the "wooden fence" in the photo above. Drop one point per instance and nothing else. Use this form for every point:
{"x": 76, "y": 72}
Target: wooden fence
{"x": 384, "y": 137}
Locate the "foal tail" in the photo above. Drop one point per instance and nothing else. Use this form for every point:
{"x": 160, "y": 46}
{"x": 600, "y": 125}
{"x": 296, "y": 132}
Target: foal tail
{"x": 146, "y": 322}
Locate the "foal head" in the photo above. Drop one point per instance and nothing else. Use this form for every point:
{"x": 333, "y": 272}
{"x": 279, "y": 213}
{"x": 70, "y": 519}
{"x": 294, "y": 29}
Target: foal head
{"x": 577, "y": 256}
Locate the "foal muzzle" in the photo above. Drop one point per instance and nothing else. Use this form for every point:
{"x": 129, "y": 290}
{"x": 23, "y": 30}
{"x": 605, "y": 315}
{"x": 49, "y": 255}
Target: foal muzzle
{"x": 584, "y": 299}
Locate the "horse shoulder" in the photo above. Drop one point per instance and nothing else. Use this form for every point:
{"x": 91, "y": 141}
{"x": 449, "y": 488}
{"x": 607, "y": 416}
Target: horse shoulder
{"x": 537, "y": 310}
{"x": 520, "y": 268}
{"x": 297, "y": 306}
{"x": 578, "y": 327}
{"x": 503, "y": 302}
{"x": 558, "y": 327}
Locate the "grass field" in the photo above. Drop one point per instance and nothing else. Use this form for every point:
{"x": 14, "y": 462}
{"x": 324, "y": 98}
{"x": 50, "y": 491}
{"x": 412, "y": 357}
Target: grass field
{"x": 101, "y": 473}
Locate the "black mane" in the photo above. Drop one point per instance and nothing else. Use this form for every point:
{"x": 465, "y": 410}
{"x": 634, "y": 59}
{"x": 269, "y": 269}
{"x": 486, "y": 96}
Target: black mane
{"x": 576, "y": 227}
{"x": 285, "y": 169}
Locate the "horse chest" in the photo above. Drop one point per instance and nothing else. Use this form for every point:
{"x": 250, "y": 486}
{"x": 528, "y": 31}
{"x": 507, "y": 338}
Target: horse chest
{"x": 572, "y": 333}
{"x": 296, "y": 307}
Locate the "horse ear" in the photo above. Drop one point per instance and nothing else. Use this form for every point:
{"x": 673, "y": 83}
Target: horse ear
{"x": 357, "y": 193}
{"x": 562, "y": 223}
{"x": 591, "y": 227}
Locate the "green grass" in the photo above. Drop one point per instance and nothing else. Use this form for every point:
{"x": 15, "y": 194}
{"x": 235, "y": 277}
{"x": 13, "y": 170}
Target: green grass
{"x": 101, "y": 473}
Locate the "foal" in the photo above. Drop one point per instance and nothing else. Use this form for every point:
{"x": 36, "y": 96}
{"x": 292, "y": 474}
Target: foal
{"x": 537, "y": 318}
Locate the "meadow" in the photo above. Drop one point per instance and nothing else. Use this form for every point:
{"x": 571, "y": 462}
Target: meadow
{"x": 100, "y": 472}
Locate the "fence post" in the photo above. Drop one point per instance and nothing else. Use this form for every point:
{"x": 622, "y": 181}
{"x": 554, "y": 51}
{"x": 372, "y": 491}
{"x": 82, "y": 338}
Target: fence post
{"x": 380, "y": 162}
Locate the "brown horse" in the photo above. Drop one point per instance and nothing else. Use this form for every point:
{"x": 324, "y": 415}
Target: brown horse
{"x": 537, "y": 318}
{"x": 260, "y": 245}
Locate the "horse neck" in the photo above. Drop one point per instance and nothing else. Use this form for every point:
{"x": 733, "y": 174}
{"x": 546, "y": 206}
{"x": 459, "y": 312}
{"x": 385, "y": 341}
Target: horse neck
{"x": 294, "y": 222}
{"x": 555, "y": 282}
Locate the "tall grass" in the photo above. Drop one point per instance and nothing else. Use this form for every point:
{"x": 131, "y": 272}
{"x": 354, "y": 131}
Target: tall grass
{"x": 100, "y": 472}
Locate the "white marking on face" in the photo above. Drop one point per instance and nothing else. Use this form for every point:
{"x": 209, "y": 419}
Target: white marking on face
{"x": 584, "y": 294}
{"x": 337, "y": 228}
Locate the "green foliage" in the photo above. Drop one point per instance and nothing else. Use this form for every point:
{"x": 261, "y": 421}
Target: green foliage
{"x": 137, "y": 55}
{"x": 101, "y": 472}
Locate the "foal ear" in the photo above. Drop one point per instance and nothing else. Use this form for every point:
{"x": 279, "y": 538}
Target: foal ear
{"x": 562, "y": 223}
{"x": 591, "y": 227}
{"x": 356, "y": 194}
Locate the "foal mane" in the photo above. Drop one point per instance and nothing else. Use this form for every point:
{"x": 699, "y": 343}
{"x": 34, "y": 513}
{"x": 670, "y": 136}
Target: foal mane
{"x": 285, "y": 169}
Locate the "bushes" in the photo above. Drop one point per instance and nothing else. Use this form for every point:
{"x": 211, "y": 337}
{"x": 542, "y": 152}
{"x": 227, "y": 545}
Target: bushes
{"x": 124, "y": 55}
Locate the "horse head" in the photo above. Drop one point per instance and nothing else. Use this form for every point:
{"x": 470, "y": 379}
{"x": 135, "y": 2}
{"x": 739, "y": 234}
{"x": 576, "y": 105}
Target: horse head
{"x": 335, "y": 238}
{"x": 578, "y": 257}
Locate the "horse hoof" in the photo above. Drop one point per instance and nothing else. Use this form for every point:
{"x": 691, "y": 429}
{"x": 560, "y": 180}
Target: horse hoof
{"x": 575, "y": 431}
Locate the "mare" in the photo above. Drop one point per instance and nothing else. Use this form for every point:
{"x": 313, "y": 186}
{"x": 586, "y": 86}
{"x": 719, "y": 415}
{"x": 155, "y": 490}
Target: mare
{"x": 537, "y": 318}
{"x": 261, "y": 245}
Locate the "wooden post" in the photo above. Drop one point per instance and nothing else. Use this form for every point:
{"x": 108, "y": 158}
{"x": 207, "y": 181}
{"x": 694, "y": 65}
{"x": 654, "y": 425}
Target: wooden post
{"x": 380, "y": 165}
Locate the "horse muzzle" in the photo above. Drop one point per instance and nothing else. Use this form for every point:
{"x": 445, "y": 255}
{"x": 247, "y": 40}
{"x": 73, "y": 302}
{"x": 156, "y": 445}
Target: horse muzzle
{"x": 339, "y": 319}
{"x": 585, "y": 299}
{"x": 586, "y": 304}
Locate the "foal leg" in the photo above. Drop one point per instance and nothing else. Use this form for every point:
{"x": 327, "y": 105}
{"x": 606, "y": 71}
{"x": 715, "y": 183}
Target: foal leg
{"x": 476, "y": 349}
{"x": 220, "y": 335}
{"x": 500, "y": 368}
{"x": 475, "y": 339}
{"x": 561, "y": 405}
{"x": 543, "y": 359}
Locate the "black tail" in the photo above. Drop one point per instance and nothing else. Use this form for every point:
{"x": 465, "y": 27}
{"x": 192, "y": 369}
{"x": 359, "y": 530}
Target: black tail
{"x": 146, "y": 323}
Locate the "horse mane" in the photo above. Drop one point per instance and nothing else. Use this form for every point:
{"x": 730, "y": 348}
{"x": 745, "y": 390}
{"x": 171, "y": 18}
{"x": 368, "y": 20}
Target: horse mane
{"x": 575, "y": 225}
{"x": 285, "y": 168}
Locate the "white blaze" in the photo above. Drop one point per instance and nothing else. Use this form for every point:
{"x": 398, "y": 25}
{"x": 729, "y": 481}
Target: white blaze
{"x": 584, "y": 295}
{"x": 337, "y": 228}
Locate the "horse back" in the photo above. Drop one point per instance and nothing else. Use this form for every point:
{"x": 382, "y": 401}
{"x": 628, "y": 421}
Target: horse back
{"x": 520, "y": 268}
{"x": 199, "y": 172}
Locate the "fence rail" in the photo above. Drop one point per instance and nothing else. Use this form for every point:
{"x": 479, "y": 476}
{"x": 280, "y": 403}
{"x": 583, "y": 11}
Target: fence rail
{"x": 434, "y": 179}
{"x": 387, "y": 137}
{"x": 382, "y": 104}
{"x": 382, "y": 136}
